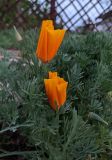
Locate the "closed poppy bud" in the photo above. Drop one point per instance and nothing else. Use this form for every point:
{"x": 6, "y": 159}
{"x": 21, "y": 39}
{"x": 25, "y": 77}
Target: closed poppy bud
{"x": 56, "y": 90}
{"x": 49, "y": 41}
{"x": 17, "y": 35}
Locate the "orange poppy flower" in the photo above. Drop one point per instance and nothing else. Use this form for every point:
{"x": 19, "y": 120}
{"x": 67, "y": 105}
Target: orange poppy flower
{"x": 49, "y": 41}
{"x": 56, "y": 90}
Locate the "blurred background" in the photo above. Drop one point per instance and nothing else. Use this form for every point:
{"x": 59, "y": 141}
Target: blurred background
{"x": 74, "y": 15}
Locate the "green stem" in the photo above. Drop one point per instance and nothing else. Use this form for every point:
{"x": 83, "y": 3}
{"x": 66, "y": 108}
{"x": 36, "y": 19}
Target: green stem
{"x": 16, "y": 153}
{"x": 15, "y": 127}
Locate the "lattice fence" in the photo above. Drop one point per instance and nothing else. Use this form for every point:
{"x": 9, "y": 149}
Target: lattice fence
{"x": 78, "y": 15}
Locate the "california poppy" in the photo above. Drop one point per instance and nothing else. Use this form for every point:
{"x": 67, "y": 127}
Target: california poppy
{"x": 56, "y": 90}
{"x": 49, "y": 41}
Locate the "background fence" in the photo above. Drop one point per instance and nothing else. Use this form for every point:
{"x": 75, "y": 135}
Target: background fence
{"x": 78, "y": 15}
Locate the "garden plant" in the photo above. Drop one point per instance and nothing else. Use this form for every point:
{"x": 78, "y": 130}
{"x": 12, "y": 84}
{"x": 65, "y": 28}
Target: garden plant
{"x": 56, "y": 98}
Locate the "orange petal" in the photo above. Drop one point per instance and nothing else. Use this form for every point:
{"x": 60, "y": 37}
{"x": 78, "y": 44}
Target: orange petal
{"x": 54, "y": 38}
{"x": 61, "y": 92}
{"x": 51, "y": 91}
{"x": 60, "y": 80}
{"x": 52, "y": 75}
{"x": 41, "y": 51}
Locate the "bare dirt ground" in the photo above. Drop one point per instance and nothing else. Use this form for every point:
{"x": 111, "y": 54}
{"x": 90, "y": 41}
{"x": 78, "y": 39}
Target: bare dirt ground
{"x": 14, "y": 54}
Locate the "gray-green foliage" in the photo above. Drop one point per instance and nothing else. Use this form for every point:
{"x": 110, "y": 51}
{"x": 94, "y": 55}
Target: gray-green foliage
{"x": 85, "y": 61}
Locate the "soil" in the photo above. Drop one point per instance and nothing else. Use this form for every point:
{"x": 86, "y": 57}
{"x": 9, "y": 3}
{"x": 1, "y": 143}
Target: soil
{"x": 14, "y": 54}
